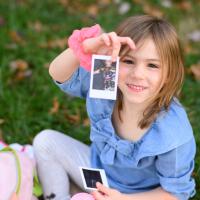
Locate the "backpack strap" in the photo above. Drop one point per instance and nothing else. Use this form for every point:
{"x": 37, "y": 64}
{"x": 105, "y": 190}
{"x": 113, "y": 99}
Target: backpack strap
{"x": 9, "y": 149}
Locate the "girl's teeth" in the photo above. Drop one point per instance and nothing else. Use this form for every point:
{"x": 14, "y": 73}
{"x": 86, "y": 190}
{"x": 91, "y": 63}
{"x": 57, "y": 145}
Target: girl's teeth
{"x": 139, "y": 88}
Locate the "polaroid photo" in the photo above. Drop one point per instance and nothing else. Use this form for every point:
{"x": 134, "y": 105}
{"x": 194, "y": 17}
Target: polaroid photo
{"x": 91, "y": 175}
{"x": 104, "y": 77}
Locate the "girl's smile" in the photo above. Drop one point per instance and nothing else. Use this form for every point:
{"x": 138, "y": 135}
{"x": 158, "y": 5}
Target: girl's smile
{"x": 135, "y": 88}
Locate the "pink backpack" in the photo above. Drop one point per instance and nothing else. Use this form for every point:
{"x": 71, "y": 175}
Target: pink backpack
{"x": 16, "y": 172}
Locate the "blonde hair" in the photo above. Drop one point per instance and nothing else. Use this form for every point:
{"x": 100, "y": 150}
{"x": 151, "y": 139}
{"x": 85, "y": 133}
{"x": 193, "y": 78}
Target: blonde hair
{"x": 167, "y": 44}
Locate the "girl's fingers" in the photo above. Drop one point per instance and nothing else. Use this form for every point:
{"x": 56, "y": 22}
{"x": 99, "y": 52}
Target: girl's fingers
{"x": 105, "y": 38}
{"x": 128, "y": 41}
{"x": 116, "y": 45}
{"x": 114, "y": 42}
{"x": 105, "y": 190}
{"x": 98, "y": 196}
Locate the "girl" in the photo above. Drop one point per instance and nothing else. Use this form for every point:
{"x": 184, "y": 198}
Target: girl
{"x": 143, "y": 140}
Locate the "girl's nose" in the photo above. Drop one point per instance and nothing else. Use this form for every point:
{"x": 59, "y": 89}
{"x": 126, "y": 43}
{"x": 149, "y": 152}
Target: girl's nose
{"x": 137, "y": 71}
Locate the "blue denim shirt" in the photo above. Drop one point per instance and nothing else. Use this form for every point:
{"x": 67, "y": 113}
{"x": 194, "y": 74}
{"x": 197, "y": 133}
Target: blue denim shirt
{"x": 164, "y": 156}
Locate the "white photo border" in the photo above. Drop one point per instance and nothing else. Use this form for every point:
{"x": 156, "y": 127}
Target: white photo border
{"x": 102, "y": 174}
{"x": 103, "y": 94}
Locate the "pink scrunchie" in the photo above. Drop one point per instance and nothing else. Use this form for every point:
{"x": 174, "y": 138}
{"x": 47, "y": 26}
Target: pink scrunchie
{"x": 75, "y": 43}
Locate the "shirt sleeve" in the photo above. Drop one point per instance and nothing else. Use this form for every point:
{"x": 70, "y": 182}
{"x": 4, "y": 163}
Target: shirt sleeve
{"x": 77, "y": 85}
{"x": 175, "y": 168}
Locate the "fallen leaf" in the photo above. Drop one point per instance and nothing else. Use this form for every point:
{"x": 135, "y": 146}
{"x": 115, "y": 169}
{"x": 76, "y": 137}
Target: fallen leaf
{"x": 60, "y": 43}
{"x": 75, "y": 119}
{"x": 16, "y": 37}
{"x": 93, "y": 10}
{"x": 21, "y": 75}
{"x": 152, "y": 11}
{"x": 105, "y": 2}
{"x": 86, "y": 122}
{"x": 37, "y": 26}
{"x": 46, "y": 65}
{"x": 21, "y": 70}
{"x": 19, "y": 64}
{"x": 195, "y": 70}
{"x": 188, "y": 48}
{"x": 55, "y": 107}
{"x": 185, "y": 5}
{"x": 64, "y": 2}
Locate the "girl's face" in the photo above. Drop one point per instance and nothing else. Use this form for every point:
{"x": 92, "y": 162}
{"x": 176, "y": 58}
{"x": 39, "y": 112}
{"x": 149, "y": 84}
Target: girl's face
{"x": 140, "y": 74}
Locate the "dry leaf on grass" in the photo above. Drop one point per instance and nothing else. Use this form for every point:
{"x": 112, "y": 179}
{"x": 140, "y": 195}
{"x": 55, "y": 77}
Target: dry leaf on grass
{"x": 152, "y": 11}
{"x": 37, "y": 26}
{"x": 188, "y": 48}
{"x": 46, "y": 65}
{"x": 22, "y": 75}
{"x": 185, "y": 5}
{"x": 74, "y": 119}
{"x": 16, "y": 37}
{"x": 60, "y": 43}
{"x": 195, "y": 70}
{"x": 21, "y": 69}
{"x": 55, "y": 107}
{"x": 86, "y": 122}
{"x": 105, "y": 2}
{"x": 19, "y": 64}
{"x": 64, "y": 2}
{"x": 93, "y": 10}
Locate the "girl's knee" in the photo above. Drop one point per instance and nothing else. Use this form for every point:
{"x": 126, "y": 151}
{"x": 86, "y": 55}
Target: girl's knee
{"x": 43, "y": 139}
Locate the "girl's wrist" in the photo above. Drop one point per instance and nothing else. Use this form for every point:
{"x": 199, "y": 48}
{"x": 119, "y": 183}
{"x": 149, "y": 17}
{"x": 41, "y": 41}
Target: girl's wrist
{"x": 75, "y": 43}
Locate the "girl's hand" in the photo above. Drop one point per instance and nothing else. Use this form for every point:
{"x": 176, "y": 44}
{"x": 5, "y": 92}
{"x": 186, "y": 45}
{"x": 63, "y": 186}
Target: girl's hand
{"x": 107, "y": 44}
{"x": 105, "y": 193}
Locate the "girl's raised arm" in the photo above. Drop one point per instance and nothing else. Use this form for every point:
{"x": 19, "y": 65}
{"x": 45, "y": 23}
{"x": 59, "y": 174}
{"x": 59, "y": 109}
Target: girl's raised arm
{"x": 63, "y": 66}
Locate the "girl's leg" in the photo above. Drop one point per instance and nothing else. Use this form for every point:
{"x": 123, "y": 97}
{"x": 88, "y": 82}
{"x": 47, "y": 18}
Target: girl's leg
{"x": 58, "y": 158}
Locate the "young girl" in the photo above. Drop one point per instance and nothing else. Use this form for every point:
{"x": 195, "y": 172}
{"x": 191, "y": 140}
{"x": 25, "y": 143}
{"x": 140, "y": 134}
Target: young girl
{"x": 143, "y": 140}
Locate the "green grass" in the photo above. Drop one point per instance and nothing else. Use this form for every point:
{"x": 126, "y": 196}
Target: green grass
{"x": 25, "y": 103}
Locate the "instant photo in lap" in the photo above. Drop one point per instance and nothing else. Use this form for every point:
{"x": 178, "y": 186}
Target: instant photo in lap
{"x": 104, "y": 77}
{"x": 91, "y": 176}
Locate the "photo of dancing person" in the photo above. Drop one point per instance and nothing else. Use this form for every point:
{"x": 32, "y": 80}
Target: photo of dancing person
{"x": 104, "y": 75}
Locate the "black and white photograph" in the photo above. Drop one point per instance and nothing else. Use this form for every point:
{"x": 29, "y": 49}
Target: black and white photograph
{"x": 91, "y": 176}
{"x": 104, "y": 77}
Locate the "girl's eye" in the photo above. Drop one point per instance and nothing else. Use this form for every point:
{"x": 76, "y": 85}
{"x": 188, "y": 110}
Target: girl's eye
{"x": 127, "y": 61}
{"x": 152, "y": 65}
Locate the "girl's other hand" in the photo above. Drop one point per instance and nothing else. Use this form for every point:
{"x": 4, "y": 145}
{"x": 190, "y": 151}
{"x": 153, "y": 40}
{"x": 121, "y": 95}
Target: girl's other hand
{"x": 105, "y": 193}
{"x": 107, "y": 44}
